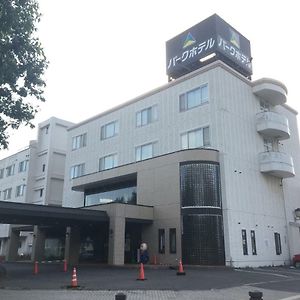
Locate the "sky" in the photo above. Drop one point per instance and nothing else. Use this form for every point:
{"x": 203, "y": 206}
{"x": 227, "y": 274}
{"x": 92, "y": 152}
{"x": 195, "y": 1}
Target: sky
{"x": 104, "y": 53}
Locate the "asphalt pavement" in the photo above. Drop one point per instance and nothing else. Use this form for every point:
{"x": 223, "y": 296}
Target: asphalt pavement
{"x": 103, "y": 282}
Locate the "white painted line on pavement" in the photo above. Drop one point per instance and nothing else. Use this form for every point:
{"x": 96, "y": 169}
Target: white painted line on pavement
{"x": 297, "y": 297}
{"x": 264, "y": 273}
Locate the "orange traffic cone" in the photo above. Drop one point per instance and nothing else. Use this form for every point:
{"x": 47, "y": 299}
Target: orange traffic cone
{"x": 74, "y": 283}
{"x": 180, "y": 268}
{"x": 141, "y": 273}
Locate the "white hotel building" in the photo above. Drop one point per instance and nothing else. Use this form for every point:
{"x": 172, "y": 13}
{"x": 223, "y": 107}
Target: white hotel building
{"x": 231, "y": 200}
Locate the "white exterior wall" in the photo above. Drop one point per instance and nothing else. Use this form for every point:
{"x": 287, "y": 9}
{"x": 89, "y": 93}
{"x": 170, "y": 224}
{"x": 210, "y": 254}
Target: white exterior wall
{"x": 48, "y": 150}
{"x": 251, "y": 200}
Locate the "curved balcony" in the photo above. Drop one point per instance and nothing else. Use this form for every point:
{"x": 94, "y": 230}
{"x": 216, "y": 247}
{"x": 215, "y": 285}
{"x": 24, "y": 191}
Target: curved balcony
{"x": 270, "y": 90}
{"x": 273, "y": 125}
{"x": 277, "y": 164}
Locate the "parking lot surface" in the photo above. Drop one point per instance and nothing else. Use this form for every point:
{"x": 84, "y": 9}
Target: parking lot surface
{"x": 102, "y": 282}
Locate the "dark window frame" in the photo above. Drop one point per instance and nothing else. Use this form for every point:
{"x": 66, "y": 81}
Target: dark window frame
{"x": 244, "y": 242}
{"x": 161, "y": 241}
{"x": 253, "y": 242}
{"x": 172, "y": 237}
{"x": 278, "y": 247}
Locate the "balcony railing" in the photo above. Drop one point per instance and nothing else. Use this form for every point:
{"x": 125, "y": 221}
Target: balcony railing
{"x": 272, "y": 124}
{"x": 277, "y": 164}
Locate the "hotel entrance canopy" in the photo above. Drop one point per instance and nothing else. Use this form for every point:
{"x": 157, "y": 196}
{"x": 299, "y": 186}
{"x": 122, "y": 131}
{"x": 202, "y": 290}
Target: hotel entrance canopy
{"x": 33, "y": 214}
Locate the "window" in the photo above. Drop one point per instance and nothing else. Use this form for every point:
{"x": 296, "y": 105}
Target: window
{"x": 43, "y": 168}
{"x": 146, "y": 116}
{"x": 277, "y": 243}
{"x": 108, "y": 162}
{"x": 47, "y": 129}
{"x": 109, "y": 130}
{"x": 10, "y": 170}
{"x": 161, "y": 241}
{"x": 1, "y": 173}
{"x": 76, "y": 171}
{"x": 20, "y": 190}
{"x": 23, "y": 166}
{"x": 253, "y": 242}
{"x": 195, "y": 138}
{"x": 172, "y": 240}
{"x": 79, "y": 141}
{"x": 7, "y": 194}
{"x": 145, "y": 151}
{"x": 193, "y": 98}
{"x": 41, "y": 192}
{"x": 244, "y": 240}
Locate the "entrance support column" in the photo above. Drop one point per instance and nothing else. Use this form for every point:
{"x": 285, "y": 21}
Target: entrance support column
{"x": 72, "y": 245}
{"x": 116, "y": 240}
{"x": 38, "y": 244}
{"x": 13, "y": 244}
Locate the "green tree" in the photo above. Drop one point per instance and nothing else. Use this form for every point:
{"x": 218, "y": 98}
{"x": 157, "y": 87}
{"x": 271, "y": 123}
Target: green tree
{"x": 22, "y": 65}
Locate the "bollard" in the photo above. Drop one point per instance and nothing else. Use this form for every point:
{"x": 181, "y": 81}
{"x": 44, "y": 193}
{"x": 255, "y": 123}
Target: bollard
{"x": 36, "y": 268}
{"x": 256, "y": 295}
{"x": 65, "y": 265}
{"x": 120, "y": 296}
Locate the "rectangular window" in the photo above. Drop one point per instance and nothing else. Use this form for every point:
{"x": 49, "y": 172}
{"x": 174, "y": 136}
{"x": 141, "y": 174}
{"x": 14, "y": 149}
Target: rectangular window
{"x": 172, "y": 240}
{"x": 7, "y": 194}
{"x": 109, "y": 130}
{"x": 253, "y": 242}
{"x": 10, "y": 170}
{"x": 145, "y": 151}
{"x": 43, "y": 168}
{"x": 20, "y": 190}
{"x": 195, "y": 138}
{"x": 108, "y": 162}
{"x": 146, "y": 116}
{"x": 277, "y": 243}
{"x": 78, "y": 141}
{"x": 41, "y": 192}
{"x": 161, "y": 241}
{"x": 244, "y": 240}
{"x": 193, "y": 98}
{"x": 1, "y": 173}
{"x": 23, "y": 166}
{"x": 77, "y": 170}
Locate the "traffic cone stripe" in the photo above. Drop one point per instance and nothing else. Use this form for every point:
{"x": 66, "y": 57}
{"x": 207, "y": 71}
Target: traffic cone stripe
{"x": 74, "y": 279}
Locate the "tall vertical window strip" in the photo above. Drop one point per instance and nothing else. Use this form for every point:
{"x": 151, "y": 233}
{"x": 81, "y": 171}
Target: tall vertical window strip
{"x": 79, "y": 141}
{"x": 1, "y": 173}
{"x": 172, "y": 240}
{"x": 77, "y": 170}
{"x": 193, "y": 98}
{"x": 145, "y": 151}
{"x": 146, "y": 116}
{"x": 195, "y": 138}
{"x": 244, "y": 241}
{"x": 7, "y": 194}
{"x": 10, "y": 170}
{"x": 23, "y": 166}
{"x": 109, "y": 130}
{"x": 253, "y": 242}
{"x": 277, "y": 243}
{"x": 20, "y": 190}
{"x": 108, "y": 162}
{"x": 161, "y": 241}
